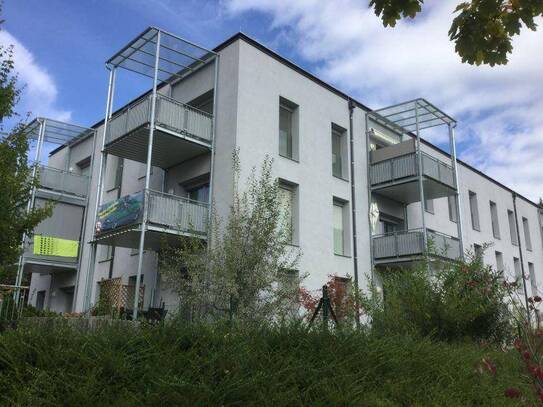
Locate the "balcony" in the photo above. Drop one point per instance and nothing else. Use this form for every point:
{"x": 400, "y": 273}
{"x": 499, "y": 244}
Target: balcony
{"x": 168, "y": 216}
{"x": 394, "y": 173}
{"x": 181, "y": 132}
{"x": 55, "y": 182}
{"x": 50, "y": 254}
{"x": 404, "y": 246}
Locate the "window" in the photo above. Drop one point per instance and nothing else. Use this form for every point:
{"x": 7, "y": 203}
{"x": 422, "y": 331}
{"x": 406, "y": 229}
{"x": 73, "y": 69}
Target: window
{"x": 341, "y": 232}
{"x": 478, "y": 251}
{"x": 339, "y": 152}
{"x": 118, "y": 174}
{"x": 474, "y": 210}
{"x": 390, "y": 224}
{"x": 512, "y": 227}
{"x": 494, "y": 218}
{"x": 199, "y": 193}
{"x": 429, "y": 205}
{"x": 40, "y": 300}
{"x": 288, "y": 129}
{"x": 84, "y": 166}
{"x": 533, "y": 281}
{"x": 288, "y": 210}
{"x": 518, "y": 274}
{"x": 499, "y": 262}
{"x": 453, "y": 214}
{"x": 107, "y": 253}
{"x": 527, "y": 237}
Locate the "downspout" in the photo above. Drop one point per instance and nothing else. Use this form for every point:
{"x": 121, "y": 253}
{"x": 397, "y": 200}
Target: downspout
{"x": 514, "y": 194}
{"x": 353, "y": 206}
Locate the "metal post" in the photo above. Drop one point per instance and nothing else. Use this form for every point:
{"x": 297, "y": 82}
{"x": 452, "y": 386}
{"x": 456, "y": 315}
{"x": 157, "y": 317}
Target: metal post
{"x": 213, "y": 135}
{"x": 84, "y": 227}
{"x": 101, "y": 171}
{"x": 368, "y": 160}
{"x": 420, "y": 175}
{"x": 30, "y": 204}
{"x": 325, "y": 306}
{"x": 353, "y": 207}
{"x": 452, "y": 142}
{"x": 147, "y": 179}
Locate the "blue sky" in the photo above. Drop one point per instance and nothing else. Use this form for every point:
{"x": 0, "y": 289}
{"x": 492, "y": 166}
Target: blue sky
{"x": 61, "y": 47}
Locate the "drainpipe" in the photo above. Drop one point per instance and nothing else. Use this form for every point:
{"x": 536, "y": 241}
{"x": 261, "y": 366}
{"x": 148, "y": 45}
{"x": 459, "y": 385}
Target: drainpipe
{"x": 353, "y": 204}
{"x": 520, "y": 255}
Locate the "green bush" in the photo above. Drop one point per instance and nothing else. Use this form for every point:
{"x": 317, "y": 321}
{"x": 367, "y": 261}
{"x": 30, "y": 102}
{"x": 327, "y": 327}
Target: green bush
{"x": 453, "y": 301}
{"x": 221, "y": 365}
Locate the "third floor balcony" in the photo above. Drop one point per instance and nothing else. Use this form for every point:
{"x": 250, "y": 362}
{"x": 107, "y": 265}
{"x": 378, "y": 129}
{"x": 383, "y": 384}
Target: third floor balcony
{"x": 180, "y": 131}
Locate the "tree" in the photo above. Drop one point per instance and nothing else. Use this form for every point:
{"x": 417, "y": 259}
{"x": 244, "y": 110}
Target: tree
{"x": 482, "y": 30}
{"x": 248, "y": 272}
{"x": 16, "y": 181}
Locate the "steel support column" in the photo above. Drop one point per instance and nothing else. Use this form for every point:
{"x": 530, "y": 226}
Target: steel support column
{"x": 452, "y": 143}
{"x": 147, "y": 178}
{"x": 99, "y": 191}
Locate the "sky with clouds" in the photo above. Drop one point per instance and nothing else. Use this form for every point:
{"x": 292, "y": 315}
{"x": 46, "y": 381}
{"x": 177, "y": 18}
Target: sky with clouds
{"x": 61, "y": 46}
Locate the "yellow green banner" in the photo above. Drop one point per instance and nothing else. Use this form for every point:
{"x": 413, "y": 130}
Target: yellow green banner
{"x": 54, "y": 246}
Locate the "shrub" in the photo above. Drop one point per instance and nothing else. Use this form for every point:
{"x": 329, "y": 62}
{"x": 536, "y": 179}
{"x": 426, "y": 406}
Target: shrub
{"x": 455, "y": 301}
{"x": 249, "y": 365}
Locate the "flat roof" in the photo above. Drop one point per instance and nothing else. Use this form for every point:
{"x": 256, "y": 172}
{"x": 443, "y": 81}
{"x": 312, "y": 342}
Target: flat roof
{"x": 251, "y": 41}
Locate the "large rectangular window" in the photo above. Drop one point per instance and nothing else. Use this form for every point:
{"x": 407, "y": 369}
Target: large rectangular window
{"x": 453, "y": 214}
{"x": 499, "y": 262}
{"x": 518, "y": 274}
{"x": 494, "y": 219}
{"x": 341, "y": 227}
{"x": 289, "y": 210}
{"x": 474, "y": 210}
{"x": 429, "y": 205}
{"x": 527, "y": 236}
{"x": 533, "y": 281}
{"x": 512, "y": 227}
{"x": 339, "y": 152}
{"x": 288, "y": 129}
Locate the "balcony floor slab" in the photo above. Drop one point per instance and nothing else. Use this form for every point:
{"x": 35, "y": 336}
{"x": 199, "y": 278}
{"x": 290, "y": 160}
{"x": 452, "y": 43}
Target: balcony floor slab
{"x": 408, "y": 191}
{"x": 169, "y": 148}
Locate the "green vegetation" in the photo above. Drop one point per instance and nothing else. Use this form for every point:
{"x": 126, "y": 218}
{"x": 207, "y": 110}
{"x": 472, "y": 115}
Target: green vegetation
{"x": 482, "y": 30}
{"x": 251, "y": 365}
{"x": 16, "y": 182}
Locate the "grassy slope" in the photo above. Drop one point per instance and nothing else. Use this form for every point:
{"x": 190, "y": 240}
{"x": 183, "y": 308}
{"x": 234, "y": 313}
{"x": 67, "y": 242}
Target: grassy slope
{"x": 215, "y": 366}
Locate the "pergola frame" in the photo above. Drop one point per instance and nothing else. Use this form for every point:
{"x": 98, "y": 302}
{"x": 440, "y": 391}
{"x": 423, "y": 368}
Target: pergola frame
{"x": 165, "y": 58}
{"x": 409, "y": 119}
{"x": 45, "y": 130}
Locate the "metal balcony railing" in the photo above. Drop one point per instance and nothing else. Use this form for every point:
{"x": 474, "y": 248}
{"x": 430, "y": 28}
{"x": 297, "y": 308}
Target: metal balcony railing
{"x": 411, "y": 243}
{"x": 169, "y": 114}
{"x": 165, "y": 211}
{"x": 65, "y": 182}
{"x": 407, "y": 165}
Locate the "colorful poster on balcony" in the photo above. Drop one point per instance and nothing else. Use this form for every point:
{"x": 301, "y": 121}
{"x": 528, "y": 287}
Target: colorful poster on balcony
{"x": 121, "y": 212}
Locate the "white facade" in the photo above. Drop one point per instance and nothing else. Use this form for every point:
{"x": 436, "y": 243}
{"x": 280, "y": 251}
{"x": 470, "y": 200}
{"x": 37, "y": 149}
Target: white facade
{"x": 252, "y": 84}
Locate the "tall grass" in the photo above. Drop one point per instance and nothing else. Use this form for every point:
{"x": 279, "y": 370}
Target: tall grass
{"x": 221, "y": 365}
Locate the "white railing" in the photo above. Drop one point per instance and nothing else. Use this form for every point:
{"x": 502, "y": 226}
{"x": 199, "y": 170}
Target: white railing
{"x": 164, "y": 210}
{"x": 411, "y": 243}
{"x": 65, "y": 182}
{"x": 407, "y": 165}
{"x": 169, "y": 113}
{"x": 175, "y": 212}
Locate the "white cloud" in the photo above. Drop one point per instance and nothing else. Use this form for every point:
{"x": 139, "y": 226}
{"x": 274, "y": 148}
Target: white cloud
{"x": 40, "y": 91}
{"x": 499, "y": 109}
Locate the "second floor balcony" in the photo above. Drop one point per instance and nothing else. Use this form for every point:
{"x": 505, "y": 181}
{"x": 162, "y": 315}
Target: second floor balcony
{"x": 394, "y": 172}
{"x": 168, "y": 217}
{"x": 180, "y": 131}
{"x": 60, "y": 182}
{"x": 408, "y": 245}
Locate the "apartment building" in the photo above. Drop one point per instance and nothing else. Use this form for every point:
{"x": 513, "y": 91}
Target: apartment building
{"x": 365, "y": 191}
